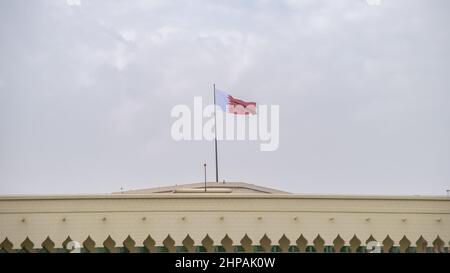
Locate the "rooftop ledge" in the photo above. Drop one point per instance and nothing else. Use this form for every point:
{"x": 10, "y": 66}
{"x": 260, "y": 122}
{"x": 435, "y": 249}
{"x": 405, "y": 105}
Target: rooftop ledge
{"x": 220, "y": 195}
{"x": 207, "y": 190}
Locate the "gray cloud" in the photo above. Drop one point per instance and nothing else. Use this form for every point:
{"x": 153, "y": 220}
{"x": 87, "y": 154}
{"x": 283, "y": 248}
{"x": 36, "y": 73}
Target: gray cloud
{"x": 86, "y": 92}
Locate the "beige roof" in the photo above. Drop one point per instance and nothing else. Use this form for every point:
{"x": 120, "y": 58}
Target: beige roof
{"x": 211, "y": 187}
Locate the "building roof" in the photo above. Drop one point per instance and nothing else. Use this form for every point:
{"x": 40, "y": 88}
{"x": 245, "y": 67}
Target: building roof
{"x": 228, "y": 220}
{"x": 211, "y": 187}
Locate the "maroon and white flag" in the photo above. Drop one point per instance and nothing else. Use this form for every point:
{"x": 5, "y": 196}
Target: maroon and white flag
{"x": 233, "y": 105}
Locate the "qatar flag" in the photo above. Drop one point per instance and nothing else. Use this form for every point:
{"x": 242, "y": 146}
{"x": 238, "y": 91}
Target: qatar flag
{"x": 233, "y": 105}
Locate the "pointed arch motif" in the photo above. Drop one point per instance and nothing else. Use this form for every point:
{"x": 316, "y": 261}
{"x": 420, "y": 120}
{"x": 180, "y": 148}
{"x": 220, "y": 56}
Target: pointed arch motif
{"x": 48, "y": 245}
{"x": 421, "y": 245}
{"x": 284, "y": 243}
{"x": 149, "y": 244}
{"x": 355, "y": 243}
{"x": 27, "y": 245}
{"x": 7, "y": 246}
{"x": 302, "y": 243}
{"x": 129, "y": 245}
{"x": 404, "y": 244}
{"x": 266, "y": 243}
{"x": 169, "y": 244}
{"x": 208, "y": 243}
{"x": 89, "y": 245}
{"x": 388, "y": 243}
{"x": 246, "y": 243}
{"x": 338, "y": 244}
{"x": 188, "y": 244}
{"x": 110, "y": 245}
{"x": 319, "y": 244}
{"x": 227, "y": 243}
{"x": 438, "y": 245}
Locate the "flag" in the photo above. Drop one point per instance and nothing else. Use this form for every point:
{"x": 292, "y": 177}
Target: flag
{"x": 230, "y": 104}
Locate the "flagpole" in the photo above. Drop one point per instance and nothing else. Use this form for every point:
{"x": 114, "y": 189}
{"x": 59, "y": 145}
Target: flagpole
{"x": 204, "y": 166}
{"x": 215, "y": 133}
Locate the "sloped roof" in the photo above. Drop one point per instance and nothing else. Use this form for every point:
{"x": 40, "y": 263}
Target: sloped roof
{"x": 211, "y": 187}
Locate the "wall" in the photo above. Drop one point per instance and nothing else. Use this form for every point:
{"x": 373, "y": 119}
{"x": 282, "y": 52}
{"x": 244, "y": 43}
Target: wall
{"x": 329, "y": 220}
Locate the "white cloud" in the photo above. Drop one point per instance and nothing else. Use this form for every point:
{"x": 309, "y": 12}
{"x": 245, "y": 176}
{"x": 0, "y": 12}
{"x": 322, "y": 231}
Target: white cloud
{"x": 164, "y": 34}
{"x": 121, "y": 56}
{"x": 124, "y": 116}
{"x": 361, "y": 89}
{"x": 73, "y": 2}
{"x": 128, "y": 35}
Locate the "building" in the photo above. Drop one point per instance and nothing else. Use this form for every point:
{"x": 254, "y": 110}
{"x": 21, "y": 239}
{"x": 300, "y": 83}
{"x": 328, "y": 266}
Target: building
{"x": 228, "y": 217}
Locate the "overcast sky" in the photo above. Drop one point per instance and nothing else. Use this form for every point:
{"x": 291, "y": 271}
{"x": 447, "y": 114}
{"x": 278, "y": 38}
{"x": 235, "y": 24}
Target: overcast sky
{"x": 87, "y": 87}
